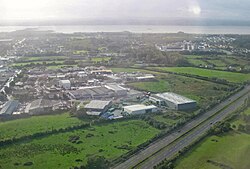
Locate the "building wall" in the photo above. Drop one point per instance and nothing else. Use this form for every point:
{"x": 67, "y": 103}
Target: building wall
{"x": 135, "y": 112}
{"x": 142, "y": 111}
{"x": 187, "y": 106}
{"x": 171, "y": 105}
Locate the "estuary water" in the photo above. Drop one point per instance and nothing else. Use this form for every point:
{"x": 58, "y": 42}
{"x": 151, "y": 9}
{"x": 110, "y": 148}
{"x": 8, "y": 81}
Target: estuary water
{"x": 137, "y": 29}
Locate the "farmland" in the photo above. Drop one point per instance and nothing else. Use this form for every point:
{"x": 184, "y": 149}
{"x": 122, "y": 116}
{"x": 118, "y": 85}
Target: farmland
{"x": 220, "y": 62}
{"x": 100, "y": 59}
{"x": 110, "y": 140}
{"x": 36, "y": 124}
{"x": 229, "y": 76}
{"x": 230, "y": 150}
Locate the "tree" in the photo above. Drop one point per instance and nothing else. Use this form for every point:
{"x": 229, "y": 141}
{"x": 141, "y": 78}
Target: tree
{"x": 241, "y": 127}
{"x": 97, "y": 162}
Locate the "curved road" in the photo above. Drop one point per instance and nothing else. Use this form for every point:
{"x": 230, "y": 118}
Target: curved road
{"x": 155, "y": 147}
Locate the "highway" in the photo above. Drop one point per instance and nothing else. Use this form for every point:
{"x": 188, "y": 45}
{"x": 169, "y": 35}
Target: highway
{"x": 152, "y": 155}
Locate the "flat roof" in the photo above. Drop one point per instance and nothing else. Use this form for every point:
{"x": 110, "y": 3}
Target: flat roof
{"x": 65, "y": 81}
{"x": 97, "y": 104}
{"x": 138, "y": 107}
{"x": 9, "y": 107}
{"x": 115, "y": 87}
{"x": 175, "y": 98}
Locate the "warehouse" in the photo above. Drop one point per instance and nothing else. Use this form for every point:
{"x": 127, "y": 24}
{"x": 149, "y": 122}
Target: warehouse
{"x": 140, "y": 109}
{"x": 91, "y": 93}
{"x": 97, "y": 107}
{"x": 173, "y": 101}
{"x": 9, "y": 107}
{"x": 120, "y": 91}
{"x": 42, "y": 106}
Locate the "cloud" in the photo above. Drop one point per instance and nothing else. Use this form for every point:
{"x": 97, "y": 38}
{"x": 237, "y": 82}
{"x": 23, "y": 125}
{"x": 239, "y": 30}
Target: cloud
{"x": 72, "y": 9}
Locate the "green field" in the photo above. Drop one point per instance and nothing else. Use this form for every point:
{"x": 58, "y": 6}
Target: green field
{"x": 42, "y": 58}
{"x": 231, "y": 150}
{"x": 156, "y": 87}
{"x": 196, "y": 62}
{"x": 79, "y": 52}
{"x": 221, "y": 62}
{"x": 202, "y": 91}
{"x": 111, "y": 141}
{"x": 100, "y": 59}
{"x": 167, "y": 121}
{"x": 229, "y": 76}
{"x": 35, "y": 124}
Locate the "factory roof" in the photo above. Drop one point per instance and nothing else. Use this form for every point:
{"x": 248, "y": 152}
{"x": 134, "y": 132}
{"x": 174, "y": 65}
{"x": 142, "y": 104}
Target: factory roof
{"x": 9, "y": 107}
{"x": 64, "y": 81}
{"x": 41, "y": 103}
{"x": 138, "y": 107}
{"x": 97, "y": 104}
{"x": 175, "y": 98}
{"x": 115, "y": 87}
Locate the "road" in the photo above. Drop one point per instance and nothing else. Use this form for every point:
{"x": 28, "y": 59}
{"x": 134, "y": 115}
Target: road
{"x": 155, "y": 147}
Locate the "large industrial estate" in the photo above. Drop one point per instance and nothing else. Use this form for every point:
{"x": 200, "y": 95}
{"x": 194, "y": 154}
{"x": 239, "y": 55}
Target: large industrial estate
{"x": 98, "y": 90}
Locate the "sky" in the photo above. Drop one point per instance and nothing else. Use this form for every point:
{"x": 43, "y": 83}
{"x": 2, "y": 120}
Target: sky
{"x": 22, "y": 10}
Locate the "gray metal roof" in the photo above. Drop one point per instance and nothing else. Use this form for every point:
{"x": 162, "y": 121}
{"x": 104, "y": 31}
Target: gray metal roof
{"x": 139, "y": 107}
{"x": 9, "y": 107}
{"x": 97, "y": 104}
{"x": 175, "y": 98}
{"x": 115, "y": 87}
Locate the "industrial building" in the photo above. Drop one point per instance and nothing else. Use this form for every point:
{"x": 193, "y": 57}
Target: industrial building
{"x": 140, "y": 109}
{"x": 146, "y": 77}
{"x": 9, "y": 107}
{"x": 120, "y": 91}
{"x": 91, "y": 93}
{"x": 65, "y": 84}
{"x": 42, "y": 106}
{"x": 97, "y": 107}
{"x": 173, "y": 101}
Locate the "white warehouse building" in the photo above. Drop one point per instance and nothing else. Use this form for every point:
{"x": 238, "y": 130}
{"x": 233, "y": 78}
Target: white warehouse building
{"x": 173, "y": 101}
{"x": 140, "y": 109}
{"x": 65, "y": 84}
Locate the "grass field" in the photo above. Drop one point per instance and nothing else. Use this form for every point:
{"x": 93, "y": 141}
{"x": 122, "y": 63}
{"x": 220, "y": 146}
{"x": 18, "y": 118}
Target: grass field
{"x": 196, "y": 62}
{"x": 43, "y": 58}
{"x": 230, "y": 76}
{"x": 111, "y": 141}
{"x": 35, "y": 124}
{"x": 231, "y": 150}
{"x": 156, "y": 87}
{"x": 167, "y": 121}
{"x": 100, "y": 59}
{"x": 79, "y": 52}
{"x": 202, "y": 91}
{"x": 221, "y": 62}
